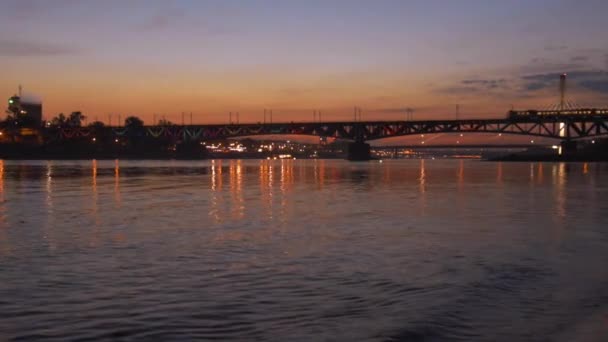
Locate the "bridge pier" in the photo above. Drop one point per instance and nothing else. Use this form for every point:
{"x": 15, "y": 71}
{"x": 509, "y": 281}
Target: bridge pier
{"x": 359, "y": 151}
{"x": 568, "y": 147}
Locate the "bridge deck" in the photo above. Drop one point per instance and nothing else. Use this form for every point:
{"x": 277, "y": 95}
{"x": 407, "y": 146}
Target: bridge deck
{"x": 557, "y": 126}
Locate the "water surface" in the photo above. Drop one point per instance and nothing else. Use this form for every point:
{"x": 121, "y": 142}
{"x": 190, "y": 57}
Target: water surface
{"x": 284, "y": 250}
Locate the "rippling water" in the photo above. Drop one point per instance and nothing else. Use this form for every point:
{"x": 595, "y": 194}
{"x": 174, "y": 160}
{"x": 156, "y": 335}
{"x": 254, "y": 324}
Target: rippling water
{"x": 307, "y": 250}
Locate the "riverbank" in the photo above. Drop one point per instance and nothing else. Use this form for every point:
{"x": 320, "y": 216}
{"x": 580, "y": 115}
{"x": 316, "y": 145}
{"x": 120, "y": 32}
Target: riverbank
{"x": 543, "y": 157}
{"x": 192, "y": 151}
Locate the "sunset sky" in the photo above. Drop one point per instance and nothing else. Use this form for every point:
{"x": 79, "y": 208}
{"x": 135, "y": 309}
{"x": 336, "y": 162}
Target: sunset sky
{"x": 213, "y": 57}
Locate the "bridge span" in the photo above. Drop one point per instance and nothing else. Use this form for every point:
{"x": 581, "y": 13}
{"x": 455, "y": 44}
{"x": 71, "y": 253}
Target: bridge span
{"x": 563, "y": 127}
{"x": 567, "y": 128}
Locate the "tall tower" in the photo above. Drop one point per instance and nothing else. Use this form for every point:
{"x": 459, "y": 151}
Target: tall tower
{"x": 562, "y": 91}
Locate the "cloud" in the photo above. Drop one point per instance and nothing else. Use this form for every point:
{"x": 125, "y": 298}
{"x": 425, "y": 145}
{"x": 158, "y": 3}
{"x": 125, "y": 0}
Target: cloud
{"x": 171, "y": 18}
{"x": 32, "y": 9}
{"x": 487, "y": 84}
{"x": 573, "y": 75}
{"x": 458, "y": 90}
{"x": 532, "y": 86}
{"x": 578, "y": 59}
{"x": 595, "y": 80}
{"x": 555, "y": 47}
{"x": 600, "y": 86}
{"x": 539, "y": 65}
{"x": 538, "y": 60}
{"x": 19, "y": 48}
{"x": 163, "y": 20}
{"x": 475, "y": 86}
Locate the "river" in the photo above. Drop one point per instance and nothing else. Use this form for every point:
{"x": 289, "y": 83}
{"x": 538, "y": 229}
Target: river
{"x": 302, "y": 250}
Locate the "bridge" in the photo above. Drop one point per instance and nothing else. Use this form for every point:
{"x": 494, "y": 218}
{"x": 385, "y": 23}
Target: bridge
{"x": 563, "y": 127}
{"x": 566, "y": 127}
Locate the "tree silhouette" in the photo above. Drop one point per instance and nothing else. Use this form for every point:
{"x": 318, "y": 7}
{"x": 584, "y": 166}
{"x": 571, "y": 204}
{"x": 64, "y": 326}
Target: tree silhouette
{"x": 97, "y": 124}
{"x": 75, "y": 119}
{"x": 165, "y": 122}
{"x": 134, "y": 122}
{"x": 59, "y": 120}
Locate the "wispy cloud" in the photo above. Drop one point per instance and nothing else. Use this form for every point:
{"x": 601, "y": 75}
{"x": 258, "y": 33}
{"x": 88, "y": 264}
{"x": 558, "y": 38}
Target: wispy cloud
{"x": 555, "y": 48}
{"x": 163, "y": 20}
{"x": 533, "y": 86}
{"x": 600, "y": 86}
{"x": 458, "y": 90}
{"x": 579, "y": 59}
{"x": 31, "y": 9}
{"x": 594, "y": 80}
{"x": 19, "y": 48}
{"x": 177, "y": 18}
{"x": 475, "y": 86}
{"x": 486, "y": 83}
{"x": 547, "y": 65}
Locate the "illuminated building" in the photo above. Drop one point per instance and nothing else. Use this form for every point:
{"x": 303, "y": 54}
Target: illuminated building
{"x": 29, "y": 113}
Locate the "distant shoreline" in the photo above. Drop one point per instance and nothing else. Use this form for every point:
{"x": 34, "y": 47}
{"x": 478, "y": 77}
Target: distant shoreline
{"x": 143, "y": 158}
{"x": 553, "y": 159}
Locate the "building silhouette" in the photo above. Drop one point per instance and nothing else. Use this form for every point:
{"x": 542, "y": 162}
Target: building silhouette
{"x": 26, "y": 112}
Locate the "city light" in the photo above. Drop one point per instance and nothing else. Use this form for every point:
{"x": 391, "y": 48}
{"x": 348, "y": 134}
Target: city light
{"x": 238, "y": 148}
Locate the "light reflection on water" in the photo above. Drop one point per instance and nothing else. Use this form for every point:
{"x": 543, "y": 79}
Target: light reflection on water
{"x": 300, "y": 250}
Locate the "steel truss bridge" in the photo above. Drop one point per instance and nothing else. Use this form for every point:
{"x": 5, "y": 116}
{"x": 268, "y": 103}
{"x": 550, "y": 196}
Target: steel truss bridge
{"x": 563, "y": 127}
